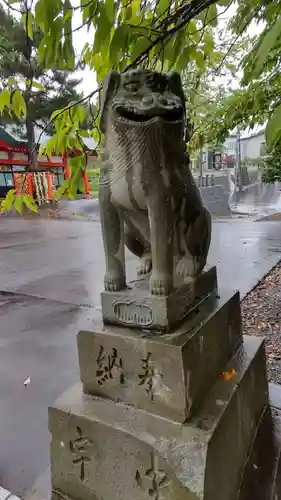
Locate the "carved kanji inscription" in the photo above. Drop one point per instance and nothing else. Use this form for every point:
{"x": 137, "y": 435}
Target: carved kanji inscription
{"x": 154, "y": 480}
{"x": 109, "y": 366}
{"x": 149, "y": 376}
{"x": 80, "y": 448}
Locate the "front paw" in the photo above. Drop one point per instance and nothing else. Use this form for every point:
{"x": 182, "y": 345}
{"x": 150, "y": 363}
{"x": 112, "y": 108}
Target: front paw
{"x": 186, "y": 266}
{"x": 145, "y": 265}
{"x": 114, "y": 282}
{"x": 160, "y": 284}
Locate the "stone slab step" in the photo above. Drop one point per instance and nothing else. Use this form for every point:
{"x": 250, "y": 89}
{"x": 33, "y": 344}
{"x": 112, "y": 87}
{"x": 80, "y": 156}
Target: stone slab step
{"x": 102, "y": 449}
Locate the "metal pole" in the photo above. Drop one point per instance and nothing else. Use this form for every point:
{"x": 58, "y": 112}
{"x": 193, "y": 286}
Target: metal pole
{"x": 201, "y": 163}
{"x": 238, "y": 160}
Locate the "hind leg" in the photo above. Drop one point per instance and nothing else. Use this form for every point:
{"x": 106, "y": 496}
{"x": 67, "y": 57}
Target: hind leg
{"x": 139, "y": 247}
{"x": 196, "y": 243}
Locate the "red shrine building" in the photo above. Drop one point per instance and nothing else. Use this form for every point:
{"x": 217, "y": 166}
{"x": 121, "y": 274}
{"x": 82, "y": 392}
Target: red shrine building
{"x": 42, "y": 184}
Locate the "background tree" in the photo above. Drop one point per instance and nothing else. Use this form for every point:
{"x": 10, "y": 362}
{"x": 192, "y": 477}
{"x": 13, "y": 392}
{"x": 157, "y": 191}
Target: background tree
{"x": 272, "y": 165}
{"x": 43, "y": 90}
{"x": 257, "y": 100}
{"x": 166, "y": 34}
{"x": 208, "y": 86}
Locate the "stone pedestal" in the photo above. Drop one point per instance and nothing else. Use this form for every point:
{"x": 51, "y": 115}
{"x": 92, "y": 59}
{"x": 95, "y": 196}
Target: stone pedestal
{"x": 161, "y": 416}
{"x": 134, "y": 307}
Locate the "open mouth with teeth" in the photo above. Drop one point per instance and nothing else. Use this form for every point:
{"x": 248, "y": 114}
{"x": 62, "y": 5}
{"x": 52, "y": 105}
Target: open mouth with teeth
{"x": 150, "y": 115}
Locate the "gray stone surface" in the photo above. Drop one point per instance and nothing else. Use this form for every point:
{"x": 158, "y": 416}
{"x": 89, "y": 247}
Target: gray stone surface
{"x": 167, "y": 374}
{"x": 149, "y": 200}
{"x": 222, "y": 179}
{"x": 216, "y": 200}
{"x": 262, "y": 476}
{"x": 134, "y": 306}
{"x": 102, "y": 449}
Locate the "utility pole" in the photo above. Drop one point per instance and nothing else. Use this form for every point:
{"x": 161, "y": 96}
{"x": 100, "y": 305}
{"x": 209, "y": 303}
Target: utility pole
{"x": 238, "y": 161}
{"x": 201, "y": 163}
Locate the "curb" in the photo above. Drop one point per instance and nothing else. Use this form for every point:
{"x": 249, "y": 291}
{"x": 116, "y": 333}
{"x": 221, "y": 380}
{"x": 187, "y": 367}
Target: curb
{"x": 7, "y": 495}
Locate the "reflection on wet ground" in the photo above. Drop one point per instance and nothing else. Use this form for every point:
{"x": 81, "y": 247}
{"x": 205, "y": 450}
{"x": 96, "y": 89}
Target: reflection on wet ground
{"x": 259, "y": 199}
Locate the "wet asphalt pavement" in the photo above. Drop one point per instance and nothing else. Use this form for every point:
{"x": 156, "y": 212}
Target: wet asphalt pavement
{"x": 51, "y": 276}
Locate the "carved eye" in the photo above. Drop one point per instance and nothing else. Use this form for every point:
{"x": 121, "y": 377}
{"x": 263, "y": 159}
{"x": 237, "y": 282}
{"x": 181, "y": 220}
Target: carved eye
{"x": 158, "y": 85}
{"x": 132, "y": 86}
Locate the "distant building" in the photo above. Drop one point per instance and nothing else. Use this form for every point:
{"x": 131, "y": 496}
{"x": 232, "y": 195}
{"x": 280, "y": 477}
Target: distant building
{"x": 224, "y": 156}
{"x": 253, "y": 146}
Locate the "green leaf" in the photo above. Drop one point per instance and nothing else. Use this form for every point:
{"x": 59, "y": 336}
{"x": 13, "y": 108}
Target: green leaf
{"x": 103, "y": 29}
{"x": 30, "y": 203}
{"x": 208, "y": 42}
{"x": 40, "y": 13}
{"x": 75, "y": 178}
{"x": 199, "y": 58}
{"x": 78, "y": 114}
{"x": 211, "y": 15}
{"x": 97, "y": 135}
{"x": 67, "y": 19}
{"x": 18, "y": 204}
{"x": 5, "y": 97}
{"x": 56, "y": 114}
{"x": 117, "y": 44}
{"x": 18, "y": 104}
{"x": 128, "y": 13}
{"x": 62, "y": 189}
{"x": 85, "y": 14}
{"x": 266, "y": 45}
{"x": 84, "y": 133}
{"x": 26, "y": 19}
{"x": 273, "y": 128}
{"x": 110, "y": 10}
{"x": 162, "y": 7}
{"x": 12, "y": 81}
{"x": 60, "y": 141}
{"x": 139, "y": 47}
{"x": 37, "y": 85}
{"x": 135, "y": 12}
{"x": 183, "y": 59}
{"x": 69, "y": 54}
{"x": 7, "y": 204}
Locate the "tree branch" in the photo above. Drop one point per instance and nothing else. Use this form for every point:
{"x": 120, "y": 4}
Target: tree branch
{"x": 10, "y": 7}
{"x": 236, "y": 38}
{"x": 189, "y": 12}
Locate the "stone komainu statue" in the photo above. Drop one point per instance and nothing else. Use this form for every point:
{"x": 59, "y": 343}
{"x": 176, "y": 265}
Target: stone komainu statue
{"x": 149, "y": 200}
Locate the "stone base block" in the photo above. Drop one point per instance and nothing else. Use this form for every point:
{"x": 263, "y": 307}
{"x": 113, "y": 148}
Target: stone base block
{"x": 262, "y": 476}
{"x": 169, "y": 374}
{"x": 134, "y": 307}
{"x": 102, "y": 450}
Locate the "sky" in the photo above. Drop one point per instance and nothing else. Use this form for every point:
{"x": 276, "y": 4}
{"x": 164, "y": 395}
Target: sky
{"x": 80, "y": 38}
